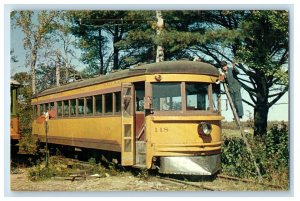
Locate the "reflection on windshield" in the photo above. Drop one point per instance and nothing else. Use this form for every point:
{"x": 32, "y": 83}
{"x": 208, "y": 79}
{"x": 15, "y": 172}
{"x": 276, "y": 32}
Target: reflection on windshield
{"x": 215, "y": 96}
{"x": 197, "y": 96}
{"x": 166, "y": 96}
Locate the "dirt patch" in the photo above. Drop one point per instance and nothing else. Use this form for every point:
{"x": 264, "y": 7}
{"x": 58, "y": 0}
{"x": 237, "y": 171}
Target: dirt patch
{"x": 125, "y": 181}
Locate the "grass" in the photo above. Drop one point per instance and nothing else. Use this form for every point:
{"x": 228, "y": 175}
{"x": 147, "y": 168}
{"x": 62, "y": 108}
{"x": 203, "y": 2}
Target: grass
{"x": 63, "y": 167}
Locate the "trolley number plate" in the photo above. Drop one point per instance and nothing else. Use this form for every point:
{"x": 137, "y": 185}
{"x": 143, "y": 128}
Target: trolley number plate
{"x": 161, "y": 130}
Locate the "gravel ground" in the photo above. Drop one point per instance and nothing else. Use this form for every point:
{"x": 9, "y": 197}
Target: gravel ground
{"x": 123, "y": 182}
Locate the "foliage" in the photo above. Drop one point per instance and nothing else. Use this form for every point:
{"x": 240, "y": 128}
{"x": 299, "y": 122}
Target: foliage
{"x": 62, "y": 167}
{"x": 271, "y": 152}
{"x": 235, "y": 158}
{"x": 13, "y": 57}
{"x": 277, "y": 146}
{"x": 37, "y": 28}
{"x": 256, "y": 40}
{"x": 143, "y": 174}
{"x": 24, "y": 102}
{"x": 27, "y": 144}
{"x": 112, "y": 40}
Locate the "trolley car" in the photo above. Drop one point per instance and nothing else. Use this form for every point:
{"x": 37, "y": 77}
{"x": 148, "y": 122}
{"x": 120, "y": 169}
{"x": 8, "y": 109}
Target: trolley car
{"x": 14, "y": 119}
{"x": 163, "y": 115}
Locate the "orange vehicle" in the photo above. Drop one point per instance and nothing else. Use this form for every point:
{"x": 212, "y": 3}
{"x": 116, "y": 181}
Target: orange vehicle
{"x": 14, "y": 119}
{"x": 164, "y": 115}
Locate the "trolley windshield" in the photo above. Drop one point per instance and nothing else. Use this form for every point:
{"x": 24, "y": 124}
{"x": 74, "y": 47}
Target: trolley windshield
{"x": 185, "y": 96}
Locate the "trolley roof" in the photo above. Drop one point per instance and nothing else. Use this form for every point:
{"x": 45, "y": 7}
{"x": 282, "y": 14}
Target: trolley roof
{"x": 14, "y": 83}
{"x": 166, "y": 67}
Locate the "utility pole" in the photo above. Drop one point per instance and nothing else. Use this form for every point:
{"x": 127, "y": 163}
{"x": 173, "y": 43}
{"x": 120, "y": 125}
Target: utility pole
{"x": 46, "y": 132}
{"x": 159, "y": 27}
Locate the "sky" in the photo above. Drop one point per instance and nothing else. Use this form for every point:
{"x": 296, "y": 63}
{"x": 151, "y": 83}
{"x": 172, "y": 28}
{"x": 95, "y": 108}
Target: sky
{"x": 281, "y": 107}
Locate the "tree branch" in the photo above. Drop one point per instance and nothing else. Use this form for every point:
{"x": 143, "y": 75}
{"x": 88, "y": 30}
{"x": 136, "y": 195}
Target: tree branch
{"x": 279, "y": 96}
{"x": 245, "y": 80}
{"x": 248, "y": 103}
{"x": 248, "y": 89}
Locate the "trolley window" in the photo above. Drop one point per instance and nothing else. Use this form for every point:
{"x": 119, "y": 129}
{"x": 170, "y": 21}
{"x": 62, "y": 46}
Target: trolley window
{"x": 35, "y": 111}
{"x": 89, "y": 105}
{"x": 166, "y": 96}
{"x": 80, "y": 106}
{"x": 73, "y": 107}
{"x": 98, "y": 103}
{"x": 140, "y": 94}
{"x": 52, "y": 106}
{"x": 118, "y": 101}
{"x": 41, "y": 109}
{"x": 59, "y": 108}
{"x": 215, "y": 97}
{"x": 108, "y": 103}
{"x": 46, "y": 107}
{"x": 66, "y": 108}
{"x": 197, "y": 96}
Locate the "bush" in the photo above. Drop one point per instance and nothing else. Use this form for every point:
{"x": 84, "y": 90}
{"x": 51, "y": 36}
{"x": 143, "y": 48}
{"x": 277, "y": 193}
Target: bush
{"x": 28, "y": 144}
{"x": 235, "y": 159}
{"x": 277, "y": 148}
{"x": 59, "y": 166}
{"x": 271, "y": 152}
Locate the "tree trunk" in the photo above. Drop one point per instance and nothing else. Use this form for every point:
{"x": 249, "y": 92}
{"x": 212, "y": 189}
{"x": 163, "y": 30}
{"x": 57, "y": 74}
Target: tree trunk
{"x": 116, "y": 50}
{"x": 57, "y": 68}
{"x": 32, "y": 65}
{"x": 159, "y": 27}
{"x": 261, "y": 108}
{"x": 101, "y": 67}
{"x": 260, "y": 119}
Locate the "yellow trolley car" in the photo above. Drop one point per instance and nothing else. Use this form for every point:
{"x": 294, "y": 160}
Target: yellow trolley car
{"x": 164, "y": 115}
{"x": 14, "y": 118}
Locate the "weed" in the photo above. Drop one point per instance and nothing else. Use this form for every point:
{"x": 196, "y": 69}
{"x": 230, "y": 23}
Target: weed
{"x": 143, "y": 174}
{"x": 271, "y": 153}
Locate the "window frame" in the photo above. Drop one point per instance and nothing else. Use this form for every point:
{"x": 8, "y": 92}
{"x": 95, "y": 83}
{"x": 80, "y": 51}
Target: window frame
{"x": 104, "y": 99}
{"x": 61, "y": 115}
{"x": 77, "y": 107}
{"x": 63, "y": 109}
{"x": 115, "y": 112}
{"x": 71, "y": 100}
{"x": 95, "y": 104}
{"x": 85, "y": 106}
{"x": 184, "y": 110}
{"x": 167, "y": 111}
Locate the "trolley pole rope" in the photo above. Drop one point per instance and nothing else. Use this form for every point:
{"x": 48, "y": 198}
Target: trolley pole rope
{"x": 238, "y": 122}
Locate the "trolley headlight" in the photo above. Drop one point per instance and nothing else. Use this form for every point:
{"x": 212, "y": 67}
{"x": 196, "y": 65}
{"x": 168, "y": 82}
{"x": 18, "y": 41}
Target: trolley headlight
{"x": 204, "y": 128}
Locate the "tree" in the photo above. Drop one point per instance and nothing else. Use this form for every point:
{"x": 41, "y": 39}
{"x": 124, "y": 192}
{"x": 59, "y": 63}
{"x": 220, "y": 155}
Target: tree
{"x": 24, "y": 102}
{"x": 65, "y": 56}
{"x": 257, "y": 40}
{"x": 265, "y": 56}
{"x": 13, "y": 57}
{"x": 112, "y": 40}
{"x": 93, "y": 29}
{"x": 36, "y": 27}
